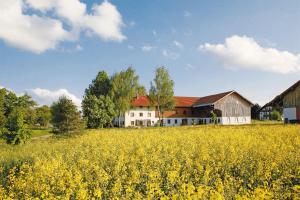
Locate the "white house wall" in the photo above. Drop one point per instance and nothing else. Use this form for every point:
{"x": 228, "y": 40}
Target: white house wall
{"x": 135, "y": 114}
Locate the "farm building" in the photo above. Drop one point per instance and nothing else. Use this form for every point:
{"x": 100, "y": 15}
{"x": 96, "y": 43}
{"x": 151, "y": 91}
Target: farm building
{"x": 289, "y": 102}
{"x": 230, "y": 108}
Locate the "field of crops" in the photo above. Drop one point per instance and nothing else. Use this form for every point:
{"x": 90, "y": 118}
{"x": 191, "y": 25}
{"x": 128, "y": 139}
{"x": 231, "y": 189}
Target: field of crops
{"x": 208, "y": 162}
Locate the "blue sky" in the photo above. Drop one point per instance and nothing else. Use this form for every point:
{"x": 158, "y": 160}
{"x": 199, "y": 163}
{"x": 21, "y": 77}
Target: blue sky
{"x": 252, "y": 47}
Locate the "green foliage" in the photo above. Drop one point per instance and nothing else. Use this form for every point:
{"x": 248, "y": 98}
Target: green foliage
{"x": 65, "y": 116}
{"x": 213, "y": 117}
{"x": 43, "y": 116}
{"x": 15, "y": 131}
{"x": 275, "y": 115}
{"x": 98, "y": 111}
{"x": 101, "y": 85}
{"x": 124, "y": 87}
{"x": 162, "y": 91}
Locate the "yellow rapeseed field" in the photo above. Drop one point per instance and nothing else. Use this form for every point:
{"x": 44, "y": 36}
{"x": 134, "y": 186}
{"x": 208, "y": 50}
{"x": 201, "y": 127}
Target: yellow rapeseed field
{"x": 205, "y": 162}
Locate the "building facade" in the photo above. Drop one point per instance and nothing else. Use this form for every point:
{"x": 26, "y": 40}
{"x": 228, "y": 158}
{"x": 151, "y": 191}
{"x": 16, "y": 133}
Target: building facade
{"x": 230, "y": 108}
{"x": 288, "y": 102}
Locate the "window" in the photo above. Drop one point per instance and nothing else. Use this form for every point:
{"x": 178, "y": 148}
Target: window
{"x": 184, "y": 112}
{"x": 132, "y": 114}
{"x": 176, "y": 111}
{"x": 219, "y": 120}
{"x": 132, "y": 123}
{"x": 141, "y": 114}
{"x": 176, "y": 121}
{"x": 169, "y": 121}
{"x": 149, "y": 114}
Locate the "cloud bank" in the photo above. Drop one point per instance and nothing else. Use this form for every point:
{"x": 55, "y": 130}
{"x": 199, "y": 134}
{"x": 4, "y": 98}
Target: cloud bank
{"x": 37, "y": 26}
{"x": 47, "y": 97}
{"x": 242, "y": 52}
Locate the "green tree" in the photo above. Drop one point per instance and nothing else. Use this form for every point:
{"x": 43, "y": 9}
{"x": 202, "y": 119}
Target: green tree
{"x": 100, "y": 86}
{"x": 15, "y": 131}
{"x": 99, "y": 112}
{"x": 124, "y": 87}
{"x": 214, "y": 117}
{"x": 43, "y": 116}
{"x": 2, "y": 116}
{"x": 161, "y": 92}
{"x": 275, "y": 115}
{"x": 65, "y": 116}
{"x": 97, "y": 106}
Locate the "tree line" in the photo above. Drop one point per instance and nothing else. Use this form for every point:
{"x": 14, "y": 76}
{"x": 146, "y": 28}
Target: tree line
{"x": 106, "y": 99}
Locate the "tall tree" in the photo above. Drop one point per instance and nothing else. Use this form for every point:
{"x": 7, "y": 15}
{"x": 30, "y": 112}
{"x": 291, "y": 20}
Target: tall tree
{"x": 255, "y": 111}
{"x": 161, "y": 92}
{"x": 100, "y": 85}
{"x": 65, "y": 116}
{"x": 124, "y": 87}
{"x": 99, "y": 112}
{"x": 97, "y": 106}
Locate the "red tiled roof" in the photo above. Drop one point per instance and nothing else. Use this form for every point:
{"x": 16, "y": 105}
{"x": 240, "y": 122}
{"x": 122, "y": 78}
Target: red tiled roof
{"x": 141, "y": 101}
{"x": 185, "y": 101}
{"x": 211, "y": 98}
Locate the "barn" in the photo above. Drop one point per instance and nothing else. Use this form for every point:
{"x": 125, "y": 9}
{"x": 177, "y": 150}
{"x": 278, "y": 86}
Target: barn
{"x": 289, "y": 102}
{"x": 229, "y": 107}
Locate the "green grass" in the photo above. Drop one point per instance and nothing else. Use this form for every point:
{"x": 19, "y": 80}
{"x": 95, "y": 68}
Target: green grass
{"x": 40, "y": 132}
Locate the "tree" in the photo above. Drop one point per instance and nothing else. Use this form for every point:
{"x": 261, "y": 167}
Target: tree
{"x": 65, "y": 116}
{"x": 161, "y": 92}
{"x": 255, "y": 111}
{"x": 99, "y": 112}
{"x": 15, "y": 131}
{"x": 97, "y": 106}
{"x": 214, "y": 117}
{"x": 275, "y": 115}
{"x": 124, "y": 87}
{"x": 101, "y": 85}
{"x": 43, "y": 116}
{"x": 2, "y": 116}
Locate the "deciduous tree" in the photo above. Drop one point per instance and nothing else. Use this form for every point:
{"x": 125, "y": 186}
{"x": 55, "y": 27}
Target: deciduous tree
{"x": 65, "y": 116}
{"x": 161, "y": 92}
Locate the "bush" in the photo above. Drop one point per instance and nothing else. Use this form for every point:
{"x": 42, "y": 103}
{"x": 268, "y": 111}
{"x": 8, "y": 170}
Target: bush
{"x": 65, "y": 116}
{"x": 15, "y": 131}
{"x": 275, "y": 115}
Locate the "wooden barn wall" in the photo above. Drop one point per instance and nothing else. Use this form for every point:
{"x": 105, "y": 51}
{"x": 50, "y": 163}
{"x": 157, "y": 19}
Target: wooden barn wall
{"x": 233, "y": 106}
{"x": 292, "y": 99}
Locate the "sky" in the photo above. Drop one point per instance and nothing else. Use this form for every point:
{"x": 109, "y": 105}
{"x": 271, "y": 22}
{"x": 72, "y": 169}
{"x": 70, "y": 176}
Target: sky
{"x": 51, "y": 48}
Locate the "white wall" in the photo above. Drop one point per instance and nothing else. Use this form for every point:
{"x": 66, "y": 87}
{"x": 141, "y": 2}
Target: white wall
{"x": 235, "y": 120}
{"x": 134, "y": 115}
{"x": 289, "y": 113}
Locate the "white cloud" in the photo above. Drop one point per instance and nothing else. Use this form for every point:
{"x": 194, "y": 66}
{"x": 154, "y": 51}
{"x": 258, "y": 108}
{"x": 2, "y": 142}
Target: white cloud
{"x": 132, "y": 23}
{"x": 169, "y": 54}
{"x": 39, "y": 32}
{"x": 239, "y": 52}
{"x": 47, "y": 97}
{"x": 187, "y": 13}
{"x": 148, "y": 47}
{"x": 178, "y": 44}
{"x": 32, "y": 33}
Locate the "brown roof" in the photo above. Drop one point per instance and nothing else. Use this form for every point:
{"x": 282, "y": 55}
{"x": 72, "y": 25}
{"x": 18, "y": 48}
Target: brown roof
{"x": 278, "y": 99}
{"x": 181, "y": 101}
{"x": 185, "y": 101}
{"x": 211, "y": 99}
